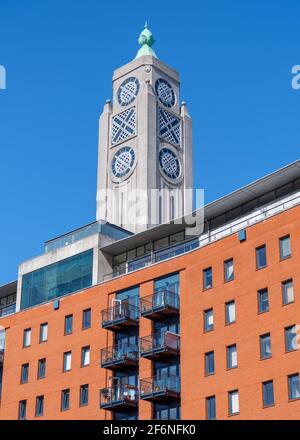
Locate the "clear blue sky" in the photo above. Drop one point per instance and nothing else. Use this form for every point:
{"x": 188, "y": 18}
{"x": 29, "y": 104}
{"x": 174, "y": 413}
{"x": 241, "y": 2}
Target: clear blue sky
{"x": 235, "y": 59}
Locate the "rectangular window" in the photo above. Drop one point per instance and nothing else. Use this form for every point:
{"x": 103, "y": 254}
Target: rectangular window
{"x": 291, "y": 338}
{"x": 39, "y": 406}
{"x": 84, "y": 395}
{"x": 41, "y": 369}
{"x": 268, "y": 393}
{"x": 65, "y": 400}
{"x": 209, "y": 363}
{"x": 22, "y": 409}
{"x": 43, "y": 332}
{"x": 261, "y": 257}
{"x": 228, "y": 270}
{"x": 208, "y": 320}
{"x": 294, "y": 387}
{"x": 207, "y": 278}
{"x": 24, "y": 373}
{"x": 265, "y": 346}
{"x": 211, "y": 413}
{"x": 68, "y": 324}
{"x": 85, "y": 356}
{"x": 285, "y": 247}
{"x": 288, "y": 292}
{"x": 263, "y": 301}
{"x": 230, "y": 315}
{"x": 232, "y": 361}
{"x": 86, "y": 319}
{"x": 234, "y": 405}
{"x": 67, "y": 361}
{"x": 27, "y": 337}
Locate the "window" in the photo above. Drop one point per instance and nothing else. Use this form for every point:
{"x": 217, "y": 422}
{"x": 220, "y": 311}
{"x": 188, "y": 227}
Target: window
{"x": 268, "y": 393}
{"x": 265, "y": 346}
{"x": 232, "y": 361}
{"x": 39, "y": 406}
{"x": 67, "y": 361}
{"x": 65, "y": 400}
{"x": 84, "y": 395}
{"x": 68, "y": 324}
{"x": 294, "y": 387}
{"x": 263, "y": 301}
{"x": 209, "y": 363}
{"x": 234, "y": 406}
{"x": 230, "y": 315}
{"x": 85, "y": 356}
{"x": 285, "y": 247}
{"x": 228, "y": 270}
{"x": 86, "y": 319}
{"x": 27, "y": 337}
{"x": 22, "y": 409}
{"x": 41, "y": 369}
{"x": 208, "y": 320}
{"x": 43, "y": 332}
{"x": 288, "y": 292}
{"x": 261, "y": 257}
{"x": 211, "y": 408}
{"x": 207, "y": 278}
{"x": 291, "y": 338}
{"x": 24, "y": 373}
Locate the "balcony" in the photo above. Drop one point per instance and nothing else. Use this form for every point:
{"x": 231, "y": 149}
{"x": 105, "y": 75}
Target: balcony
{"x": 122, "y": 315}
{"x": 160, "y": 304}
{"x": 160, "y": 389}
{"x": 119, "y": 356}
{"x": 119, "y": 398}
{"x": 160, "y": 346}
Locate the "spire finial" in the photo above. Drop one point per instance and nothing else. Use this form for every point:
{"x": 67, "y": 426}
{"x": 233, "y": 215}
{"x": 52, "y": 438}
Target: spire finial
{"x": 146, "y": 41}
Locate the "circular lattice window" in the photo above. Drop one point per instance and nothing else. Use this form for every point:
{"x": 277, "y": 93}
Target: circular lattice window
{"x": 128, "y": 91}
{"x": 169, "y": 163}
{"x": 165, "y": 92}
{"x": 123, "y": 162}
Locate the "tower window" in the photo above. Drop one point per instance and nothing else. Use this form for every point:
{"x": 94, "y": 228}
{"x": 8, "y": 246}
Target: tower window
{"x": 211, "y": 408}
{"x": 67, "y": 361}
{"x": 232, "y": 361}
{"x": 39, "y": 406}
{"x": 291, "y": 343}
{"x": 68, "y": 324}
{"x": 288, "y": 292}
{"x": 228, "y": 270}
{"x": 263, "y": 301}
{"x": 24, "y": 373}
{"x": 41, "y": 369}
{"x": 43, "y": 332}
{"x": 65, "y": 400}
{"x": 209, "y": 363}
{"x": 234, "y": 405}
{"x": 268, "y": 393}
{"x": 208, "y": 320}
{"x": 261, "y": 257}
{"x": 294, "y": 387}
{"x": 230, "y": 313}
{"x": 22, "y": 409}
{"x": 85, "y": 356}
{"x": 27, "y": 337}
{"x": 86, "y": 319}
{"x": 84, "y": 395}
{"x": 265, "y": 346}
{"x": 285, "y": 247}
{"x": 207, "y": 278}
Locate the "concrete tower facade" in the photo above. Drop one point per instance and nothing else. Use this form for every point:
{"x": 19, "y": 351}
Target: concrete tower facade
{"x": 145, "y": 145}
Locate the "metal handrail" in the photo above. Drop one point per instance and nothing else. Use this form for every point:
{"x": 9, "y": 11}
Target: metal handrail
{"x": 121, "y": 311}
{"x": 118, "y": 353}
{"x": 160, "y": 298}
{"x": 162, "y": 340}
{"x": 158, "y": 384}
{"x": 119, "y": 393}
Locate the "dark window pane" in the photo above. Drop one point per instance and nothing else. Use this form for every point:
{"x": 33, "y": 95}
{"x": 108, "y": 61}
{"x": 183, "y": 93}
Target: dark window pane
{"x": 39, "y": 409}
{"x": 294, "y": 387}
{"x": 268, "y": 393}
{"x": 84, "y": 395}
{"x": 24, "y": 373}
{"x": 263, "y": 301}
{"x": 229, "y": 270}
{"x": 41, "y": 368}
{"x": 265, "y": 346}
{"x": 68, "y": 324}
{"x": 291, "y": 338}
{"x": 86, "y": 319}
{"x": 65, "y": 400}
{"x": 22, "y": 409}
{"x": 209, "y": 363}
{"x": 211, "y": 408}
{"x": 261, "y": 257}
{"x": 207, "y": 278}
{"x": 209, "y": 320}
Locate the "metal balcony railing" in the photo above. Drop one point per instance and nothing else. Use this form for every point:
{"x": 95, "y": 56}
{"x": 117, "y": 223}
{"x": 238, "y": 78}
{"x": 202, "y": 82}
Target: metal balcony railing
{"x": 160, "y": 388}
{"x": 161, "y": 303}
{"x": 119, "y": 316}
{"x": 119, "y": 397}
{"x": 119, "y": 356}
{"x": 160, "y": 345}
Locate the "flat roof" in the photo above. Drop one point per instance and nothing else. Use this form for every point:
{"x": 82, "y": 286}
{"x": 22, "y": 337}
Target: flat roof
{"x": 8, "y": 289}
{"x": 242, "y": 195}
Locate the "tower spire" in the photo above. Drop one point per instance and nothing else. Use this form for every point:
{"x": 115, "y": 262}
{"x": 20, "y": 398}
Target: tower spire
{"x": 146, "y": 41}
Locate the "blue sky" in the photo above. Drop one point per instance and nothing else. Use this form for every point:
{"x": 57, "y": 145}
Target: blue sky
{"x": 235, "y": 59}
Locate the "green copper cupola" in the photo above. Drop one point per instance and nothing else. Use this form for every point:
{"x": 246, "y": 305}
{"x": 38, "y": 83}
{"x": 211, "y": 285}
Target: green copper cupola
{"x": 146, "y": 41}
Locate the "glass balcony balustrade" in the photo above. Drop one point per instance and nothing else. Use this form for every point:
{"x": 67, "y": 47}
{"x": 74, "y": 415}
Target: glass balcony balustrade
{"x": 120, "y": 397}
{"x": 121, "y": 315}
{"x": 161, "y": 303}
{"x": 160, "y": 345}
{"x": 119, "y": 356}
{"x": 156, "y": 389}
